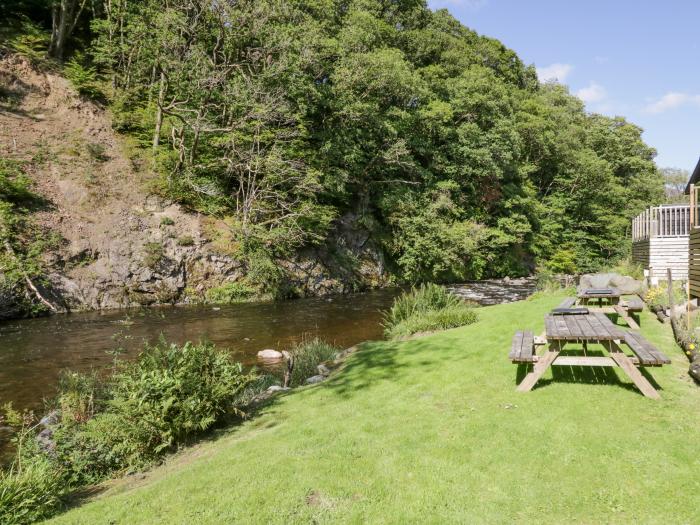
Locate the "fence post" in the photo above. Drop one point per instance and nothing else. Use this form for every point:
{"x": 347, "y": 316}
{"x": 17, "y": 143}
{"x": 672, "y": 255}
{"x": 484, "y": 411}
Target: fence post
{"x": 671, "y": 313}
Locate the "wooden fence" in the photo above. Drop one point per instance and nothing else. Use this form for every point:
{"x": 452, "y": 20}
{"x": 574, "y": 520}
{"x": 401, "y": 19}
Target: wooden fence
{"x": 661, "y": 221}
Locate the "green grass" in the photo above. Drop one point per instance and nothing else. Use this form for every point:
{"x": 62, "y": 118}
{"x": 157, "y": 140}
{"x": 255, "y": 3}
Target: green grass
{"x": 432, "y": 431}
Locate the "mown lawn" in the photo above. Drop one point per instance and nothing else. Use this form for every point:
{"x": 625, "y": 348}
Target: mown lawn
{"x": 433, "y": 431}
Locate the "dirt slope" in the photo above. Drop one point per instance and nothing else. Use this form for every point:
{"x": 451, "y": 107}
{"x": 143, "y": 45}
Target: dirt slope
{"x": 116, "y": 251}
{"x": 122, "y": 245}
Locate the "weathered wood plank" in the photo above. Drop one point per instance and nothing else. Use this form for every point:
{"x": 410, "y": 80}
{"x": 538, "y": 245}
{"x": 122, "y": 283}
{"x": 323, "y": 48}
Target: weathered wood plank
{"x": 570, "y": 360}
{"x": 540, "y": 367}
{"x": 635, "y": 375}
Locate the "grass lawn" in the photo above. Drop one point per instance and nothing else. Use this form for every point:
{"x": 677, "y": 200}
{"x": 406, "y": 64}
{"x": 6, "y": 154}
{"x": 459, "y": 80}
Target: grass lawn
{"x": 433, "y": 431}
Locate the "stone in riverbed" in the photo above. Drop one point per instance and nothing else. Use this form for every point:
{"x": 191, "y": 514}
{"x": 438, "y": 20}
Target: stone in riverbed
{"x": 270, "y": 355}
{"x": 50, "y": 419}
{"x": 314, "y": 379}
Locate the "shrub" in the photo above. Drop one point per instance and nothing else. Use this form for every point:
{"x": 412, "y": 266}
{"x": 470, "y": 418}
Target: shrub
{"x": 166, "y": 396}
{"x": 229, "y": 293}
{"x": 30, "y": 493}
{"x": 627, "y": 267}
{"x": 84, "y": 78}
{"x": 185, "y": 240}
{"x": 166, "y": 221}
{"x": 428, "y": 307}
{"x": 97, "y": 151}
{"x": 657, "y": 296}
{"x": 450, "y": 317}
{"x": 152, "y": 254}
{"x": 563, "y": 262}
{"x": 307, "y": 356}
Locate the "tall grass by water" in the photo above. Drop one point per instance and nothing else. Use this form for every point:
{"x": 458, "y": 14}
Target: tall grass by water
{"x": 103, "y": 426}
{"x": 426, "y": 308}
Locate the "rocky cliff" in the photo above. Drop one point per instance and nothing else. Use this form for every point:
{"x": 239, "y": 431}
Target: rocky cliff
{"x": 121, "y": 243}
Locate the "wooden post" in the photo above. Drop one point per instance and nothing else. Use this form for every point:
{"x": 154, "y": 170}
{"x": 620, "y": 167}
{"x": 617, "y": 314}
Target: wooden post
{"x": 692, "y": 206}
{"x": 670, "y": 293}
{"x": 687, "y": 304}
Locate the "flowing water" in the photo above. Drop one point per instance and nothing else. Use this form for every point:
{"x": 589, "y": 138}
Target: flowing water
{"x": 34, "y": 351}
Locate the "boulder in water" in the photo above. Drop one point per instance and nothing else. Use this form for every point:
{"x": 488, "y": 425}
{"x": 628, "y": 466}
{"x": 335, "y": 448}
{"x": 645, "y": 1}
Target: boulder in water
{"x": 270, "y": 355}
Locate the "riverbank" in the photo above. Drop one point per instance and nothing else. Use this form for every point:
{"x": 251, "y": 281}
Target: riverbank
{"x": 432, "y": 430}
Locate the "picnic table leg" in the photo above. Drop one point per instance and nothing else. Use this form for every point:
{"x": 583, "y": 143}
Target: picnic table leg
{"x": 632, "y": 372}
{"x": 541, "y": 366}
{"x": 628, "y": 319}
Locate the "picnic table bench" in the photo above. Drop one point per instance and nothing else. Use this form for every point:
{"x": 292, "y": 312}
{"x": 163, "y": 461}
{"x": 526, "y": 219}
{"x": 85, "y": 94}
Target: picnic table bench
{"x": 593, "y": 327}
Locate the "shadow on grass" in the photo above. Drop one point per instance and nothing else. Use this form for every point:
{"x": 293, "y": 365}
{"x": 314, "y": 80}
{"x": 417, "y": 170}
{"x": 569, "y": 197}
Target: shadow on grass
{"x": 586, "y": 374}
{"x": 182, "y": 455}
{"x": 378, "y": 361}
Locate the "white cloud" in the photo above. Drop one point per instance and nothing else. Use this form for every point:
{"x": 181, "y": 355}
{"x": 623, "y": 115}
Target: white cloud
{"x": 554, "y": 72}
{"x": 592, "y": 93}
{"x": 672, "y": 100}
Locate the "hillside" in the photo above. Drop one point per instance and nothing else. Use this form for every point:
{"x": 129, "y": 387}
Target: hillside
{"x": 308, "y": 148}
{"x": 118, "y": 243}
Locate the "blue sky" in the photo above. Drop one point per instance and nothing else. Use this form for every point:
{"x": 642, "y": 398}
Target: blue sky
{"x": 639, "y": 59}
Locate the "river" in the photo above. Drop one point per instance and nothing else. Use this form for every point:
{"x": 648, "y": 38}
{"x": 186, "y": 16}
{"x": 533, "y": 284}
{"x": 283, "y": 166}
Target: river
{"x": 33, "y": 352}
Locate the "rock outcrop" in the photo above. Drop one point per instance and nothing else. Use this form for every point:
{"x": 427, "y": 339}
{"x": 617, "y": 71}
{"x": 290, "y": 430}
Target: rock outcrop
{"x": 121, "y": 245}
{"x": 626, "y": 284}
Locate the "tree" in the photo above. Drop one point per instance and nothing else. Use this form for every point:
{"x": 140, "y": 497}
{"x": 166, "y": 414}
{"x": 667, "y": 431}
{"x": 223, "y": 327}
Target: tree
{"x": 64, "y": 17}
{"x": 675, "y": 181}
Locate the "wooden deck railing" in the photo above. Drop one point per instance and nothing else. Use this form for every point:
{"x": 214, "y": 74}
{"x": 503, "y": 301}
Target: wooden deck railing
{"x": 661, "y": 221}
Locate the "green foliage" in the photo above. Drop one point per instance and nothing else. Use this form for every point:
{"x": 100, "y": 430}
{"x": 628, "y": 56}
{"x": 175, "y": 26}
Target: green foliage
{"x": 426, "y": 308}
{"x": 153, "y": 252}
{"x": 30, "y": 493}
{"x": 625, "y": 266}
{"x": 171, "y": 393}
{"x": 150, "y": 406}
{"x": 22, "y": 243}
{"x": 439, "y": 140}
{"x": 166, "y": 221}
{"x": 230, "y": 293}
{"x": 84, "y": 78}
{"x": 657, "y": 296}
{"x": 27, "y": 38}
{"x": 307, "y": 356}
{"x": 96, "y": 151}
{"x": 563, "y": 262}
{"x": 185, "y": 240}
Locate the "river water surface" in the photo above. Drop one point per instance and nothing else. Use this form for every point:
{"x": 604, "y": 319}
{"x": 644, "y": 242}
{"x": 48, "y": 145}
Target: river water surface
{"x": 33, "y": 352}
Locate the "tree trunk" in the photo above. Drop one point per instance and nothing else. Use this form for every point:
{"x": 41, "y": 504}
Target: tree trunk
{"x": 159, "y": 112}
{"x": 64, "y": 17}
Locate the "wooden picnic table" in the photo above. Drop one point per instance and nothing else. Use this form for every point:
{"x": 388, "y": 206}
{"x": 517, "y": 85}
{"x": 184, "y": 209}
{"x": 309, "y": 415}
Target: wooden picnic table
{"x": 594, "y": 327}
{"x": 618, "y": 305}
{"x": 613, "y": 294}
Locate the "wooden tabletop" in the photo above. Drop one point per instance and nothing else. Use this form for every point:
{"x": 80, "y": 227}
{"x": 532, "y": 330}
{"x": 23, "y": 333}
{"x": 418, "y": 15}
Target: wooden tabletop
{"x": 586, "y": 295}
{"x": 594, "y": 326}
